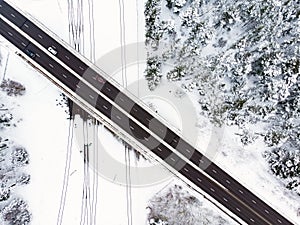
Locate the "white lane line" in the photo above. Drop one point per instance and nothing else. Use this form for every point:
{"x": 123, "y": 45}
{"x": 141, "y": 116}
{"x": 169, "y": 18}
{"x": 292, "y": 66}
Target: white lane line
{"x": 241, "y": 191}
{"x": 254, "y": 201}
{"x": 188, "y": 150}
{"x": 213, "y": 190}
{"x": 201, "y": 161}
{"x": 25, "y": 25}
{"x": 225, "y": 199}
{"x": 77, "y": 86}
{"x": 67, "y": 57}
{"x": 186, "y": 169}
{"x": 81, "y": 68}
{"x": 134, "y": 109}
{"x": 10, "y": 34}
{"x": 40, "y": 36}
{"x": 228, "y": 181}
{"x": 13, "y": 15}
{"x": 199, "y": 179}
{"x": 51, "y": 65}
{"x": 119, "y": 117}
{"x": 108, "y": 89}
{"x": 279, "y": 220}
{"x": 173, "y": 159}
{"x": 214, "y": 171}
{"x": 267, "y": 211}
{"x": 238, "y": 209}
{"x": 65, "y": 76}
{"x": 252, "y": 220}
{"x": 105, "y": 107}
{"x": 92, "y": 97}
{"x": 132, "y": 128}
{"x": 159, "y": 149}
{"x": 37, "y": 55}
{"x": 24, "y": 45}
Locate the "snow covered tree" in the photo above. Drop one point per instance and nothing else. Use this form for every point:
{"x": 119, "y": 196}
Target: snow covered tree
{"x": 175, "y": 206}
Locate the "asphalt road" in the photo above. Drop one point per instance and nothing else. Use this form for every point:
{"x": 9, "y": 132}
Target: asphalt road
{"x": 235, "y": 196}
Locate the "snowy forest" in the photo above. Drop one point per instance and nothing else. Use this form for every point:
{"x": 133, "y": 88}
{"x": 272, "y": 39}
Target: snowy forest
{"x": 242, "y": 59}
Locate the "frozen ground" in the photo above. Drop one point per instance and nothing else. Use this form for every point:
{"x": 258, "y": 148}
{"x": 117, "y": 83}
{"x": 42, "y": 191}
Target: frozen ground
{"x": 44, "y": 132}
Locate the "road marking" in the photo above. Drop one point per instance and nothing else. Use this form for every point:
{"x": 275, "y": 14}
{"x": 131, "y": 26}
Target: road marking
{"x": 105, "y": 107}
{"x": 186, "y": 169}
{"x": 134, "y": 109}
{"x": 267, "y": 211}
{"x": 25, "y": 25}
{"x": 10, "y": 34}
{"x": 40, "y": 36}
{"x": 173, "y": 159}
{"x": 279, "y": 220}
{"x": 228, "y": 181}
{"x": 119, "y": 117}
{"x": 92, "y": 97}
{"x": 159, "y": 149}
{"x": 147, "y": 119}
{"x": 188, "y": 150}
{"x": 214, "y": 171}
{"x": 132, "y": 128}
{"x": 122, "y": 99}
{"x": 65, "y": 76}
{"x": 81, "y": 68}
{"x": 175, "y": 140}
{"x": 238, "y": 209}
{"x": 147, "y": 139}
{"x": 67, "y": 57}
{"x": 241, "y": 191}
{"x": 37, "y": 55}
{"x": 225, "y": 200}
{"x": 51, "y": 65}
{"x": 77, "y": 86}
{"x": 201, "y": 161}
{"x": 213, "y": 190}
{"x": 107, "y": 89}
{"x": 23, "y": 44}
{"x": 252, "y": 220}
{"x": 13, "y": 15}
{"x": 254, "y": 201}
{"x": 199, "y": 179}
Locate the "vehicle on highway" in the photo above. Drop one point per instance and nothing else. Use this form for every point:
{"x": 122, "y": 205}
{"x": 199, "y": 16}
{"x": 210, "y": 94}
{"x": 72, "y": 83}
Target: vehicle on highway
{"x": 52, "y": 50}
{"x": 30, "y": 53}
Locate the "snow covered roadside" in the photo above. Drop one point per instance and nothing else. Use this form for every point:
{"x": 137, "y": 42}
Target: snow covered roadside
{"x": 43, "y": 131}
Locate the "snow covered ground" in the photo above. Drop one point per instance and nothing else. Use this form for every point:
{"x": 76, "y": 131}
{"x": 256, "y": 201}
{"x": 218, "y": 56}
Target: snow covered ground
{"x": 45, "y": 128}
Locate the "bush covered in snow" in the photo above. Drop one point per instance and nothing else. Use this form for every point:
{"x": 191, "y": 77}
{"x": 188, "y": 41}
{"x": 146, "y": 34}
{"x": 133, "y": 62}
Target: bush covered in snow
{"x": 12, "y": 88}
{"x": 175, "y": 206}
{"x": 16, "y": 213}
{"x": 13, "y": 159}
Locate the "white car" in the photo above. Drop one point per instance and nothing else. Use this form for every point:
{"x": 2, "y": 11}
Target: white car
{"x": 52, "y": 50}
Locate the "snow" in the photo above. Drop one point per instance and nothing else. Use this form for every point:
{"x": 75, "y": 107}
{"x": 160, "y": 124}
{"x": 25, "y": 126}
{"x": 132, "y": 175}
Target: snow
{"x": 44, "y": 132}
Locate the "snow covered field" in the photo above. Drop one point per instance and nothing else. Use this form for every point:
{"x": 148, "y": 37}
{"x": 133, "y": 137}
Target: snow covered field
{"x": 44, "y": 131}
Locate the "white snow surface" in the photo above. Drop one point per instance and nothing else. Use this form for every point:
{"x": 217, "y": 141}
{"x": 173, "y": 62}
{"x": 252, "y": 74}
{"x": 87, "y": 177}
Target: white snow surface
{"x": 44, "y": 132}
